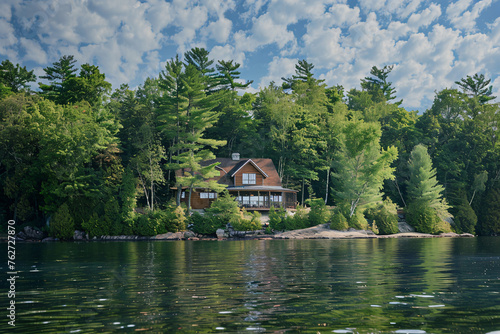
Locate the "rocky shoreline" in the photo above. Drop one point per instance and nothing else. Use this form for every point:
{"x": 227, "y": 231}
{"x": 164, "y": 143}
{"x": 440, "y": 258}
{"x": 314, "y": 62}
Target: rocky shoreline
{"x": 316, "y": 232}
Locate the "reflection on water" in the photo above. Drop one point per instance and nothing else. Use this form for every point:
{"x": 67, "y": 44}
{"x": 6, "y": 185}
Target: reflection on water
{"x": 306, "y": 286}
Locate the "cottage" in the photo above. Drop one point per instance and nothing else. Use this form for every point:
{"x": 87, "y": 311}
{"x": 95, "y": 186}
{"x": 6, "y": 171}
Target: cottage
{"x": 254, "y": 183}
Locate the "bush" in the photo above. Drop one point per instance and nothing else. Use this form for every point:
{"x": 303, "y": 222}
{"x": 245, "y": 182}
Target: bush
{"x": 319, "y": 213}
{"x": 358, "y": 221}
{"x": 207, "y": 224}
{"x": 422, "y": 217}
{"x": 252, "y": 224}
{"x": 465, "y": 219}
{"x": 490, "y": 219}
{"x": 277, "y": 219}
{"x": 176, "y": 219}
{"x": 338, "y": 221}
{"x": 62, "y": 225}
{"x": 149, "y": 224}
{"x": 298, "y": 221}
{"x": 95, "y": 226}
{"x": 385, "y": 220}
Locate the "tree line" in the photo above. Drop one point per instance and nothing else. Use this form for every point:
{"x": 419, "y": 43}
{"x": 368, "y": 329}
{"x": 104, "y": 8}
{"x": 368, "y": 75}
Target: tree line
{"x": 75, "y": 151}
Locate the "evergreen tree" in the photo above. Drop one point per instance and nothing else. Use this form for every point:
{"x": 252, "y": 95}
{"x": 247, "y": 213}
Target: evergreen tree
{"x": 361, "y": 166}
{"x": 188, "y": 111}
{"x": 490, "y": 217}
{"x": 423, "y": 186}
{"x": 15, "y": 78}
{"x": 57, "y": 74}
{"x": 229, "y": 75}
{"x": 477, "y": 87}
{"x": 377, "y": 85}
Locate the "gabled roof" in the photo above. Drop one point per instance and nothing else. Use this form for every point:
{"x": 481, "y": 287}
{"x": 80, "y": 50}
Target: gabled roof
{"x": 228, "y": 167}
{"x": 239, "y": 166}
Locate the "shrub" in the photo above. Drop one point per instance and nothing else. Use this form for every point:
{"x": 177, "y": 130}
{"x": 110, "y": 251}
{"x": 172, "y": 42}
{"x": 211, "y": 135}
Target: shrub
{"x": 422, "y": 217}
{"x": 319, "y": 213}
{"x": 490, "y": 218}
{"x": 385, "y": 220}
{"x": 62, "y": 225}
{"x": 338, "y": 221}
{"x": 207, "y": 224}
{"x": 176, "y": 220}
{"x": 149, "y": 224}
{"x": 298, "y": 221}
{"x": 358, "y": 221}
{"x": 95, "y": 226}
{"x": 277, "y": 219}
{"x": 465, "y": 219}
{"x": 252, "y": 224}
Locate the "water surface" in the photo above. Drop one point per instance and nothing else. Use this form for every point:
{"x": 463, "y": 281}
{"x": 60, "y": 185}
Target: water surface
{"x": 276, "y": 286}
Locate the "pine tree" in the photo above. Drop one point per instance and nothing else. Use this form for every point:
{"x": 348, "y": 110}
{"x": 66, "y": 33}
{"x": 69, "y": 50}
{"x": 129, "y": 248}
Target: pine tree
{"x": 423, "y": 187}
{"x": 186, "y": 112}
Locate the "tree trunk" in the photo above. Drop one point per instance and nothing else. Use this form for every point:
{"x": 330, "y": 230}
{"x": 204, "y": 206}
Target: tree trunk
{"x": 327, "y": 181}
{"x": 189, "y": 201}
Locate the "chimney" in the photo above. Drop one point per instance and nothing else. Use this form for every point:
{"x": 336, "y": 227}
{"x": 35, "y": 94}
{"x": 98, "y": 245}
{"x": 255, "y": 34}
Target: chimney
{"x": 235, "y": 156}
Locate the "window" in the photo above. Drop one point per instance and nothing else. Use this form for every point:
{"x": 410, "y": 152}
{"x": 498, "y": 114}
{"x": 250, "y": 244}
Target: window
{"x": 183, "y": 194}
{"x": 208, "y": 195}
{"x": 249, "y": 178}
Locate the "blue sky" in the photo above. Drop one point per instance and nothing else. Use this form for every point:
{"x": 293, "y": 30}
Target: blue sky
{"x": 431, "y": 44}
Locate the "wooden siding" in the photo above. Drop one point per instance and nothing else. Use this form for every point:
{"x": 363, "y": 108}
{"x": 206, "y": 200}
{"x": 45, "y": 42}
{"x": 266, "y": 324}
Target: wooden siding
{"x": 250, "y": 169}
{"x": 196, "y": 201}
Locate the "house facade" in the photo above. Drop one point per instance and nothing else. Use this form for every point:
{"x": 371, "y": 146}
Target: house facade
{"x": 254, "y": 183}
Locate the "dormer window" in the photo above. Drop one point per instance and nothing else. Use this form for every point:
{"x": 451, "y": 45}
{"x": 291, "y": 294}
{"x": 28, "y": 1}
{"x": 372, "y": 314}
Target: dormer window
{"x": 249, "y": 178}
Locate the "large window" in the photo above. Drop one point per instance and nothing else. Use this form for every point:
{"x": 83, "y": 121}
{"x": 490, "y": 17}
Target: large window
{"x": 249, "y": 178}
{"x": 208, "y": 195}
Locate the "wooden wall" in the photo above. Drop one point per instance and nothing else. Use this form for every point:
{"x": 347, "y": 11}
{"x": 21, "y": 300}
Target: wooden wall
{"x": 248, "y": 168}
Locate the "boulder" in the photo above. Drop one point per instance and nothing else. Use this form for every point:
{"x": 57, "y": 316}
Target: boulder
{"x": 80, "y": 235}
{"x": 404, "y": 227}
{"x": 32, "y": 233}
{"x": 220, "y": 233}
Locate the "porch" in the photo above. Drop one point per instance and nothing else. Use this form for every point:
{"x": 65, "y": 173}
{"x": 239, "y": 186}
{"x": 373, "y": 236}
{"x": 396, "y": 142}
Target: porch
{"x": 264, "y": 200}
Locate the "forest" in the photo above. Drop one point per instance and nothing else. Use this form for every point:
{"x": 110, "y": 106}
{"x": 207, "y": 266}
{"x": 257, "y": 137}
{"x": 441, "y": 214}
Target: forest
{"x": 76, "y": 155}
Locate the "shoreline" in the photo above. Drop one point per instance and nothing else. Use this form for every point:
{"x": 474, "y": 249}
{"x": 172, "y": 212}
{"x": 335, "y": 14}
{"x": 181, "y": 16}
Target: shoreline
{"x": 316, "y": 232}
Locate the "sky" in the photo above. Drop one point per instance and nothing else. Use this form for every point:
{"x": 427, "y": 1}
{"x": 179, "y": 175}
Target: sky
{"x": 431, "y": 44}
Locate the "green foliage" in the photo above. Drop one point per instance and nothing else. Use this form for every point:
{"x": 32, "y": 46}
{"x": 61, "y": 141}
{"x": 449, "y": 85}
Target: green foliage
{"x": 245, "y": 224}
{"x": 222, "y": 211}
{"x": 384, "y": 217}
{"x": 358, "y": 221}
{"x": 62, "y": 225}
{"x": 361, "y": 166}
{"x": 206, "y": 225}
{"x": 423, "y": 186}
{"x": 338, "y": 221}
{"x": 276, "y": 219}
{"x": 489, "y": 223}
{"x": 95, "y": 226}
{"x": 422, "y": 217}
{"x": 14, "y": 78}
{"x": 319, "y": 213}
{"x": 149, "y": 224}
{"x": 175, "y": 218}
{"x": 298, "y": 220}
{"x": 464, "y": 217}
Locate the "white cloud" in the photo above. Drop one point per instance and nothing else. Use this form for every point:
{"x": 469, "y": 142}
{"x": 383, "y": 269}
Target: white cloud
{"x": 7, "y": 39}
{"x": 461, "y": 18}
{"x": 227, "y": 52}
{"x": 220, "y": 30}
{"x": 324, "y": 48}
{"x": 425, "y": 17}
{"x": 278, "y": 68}
{"x": 33, "y": 51}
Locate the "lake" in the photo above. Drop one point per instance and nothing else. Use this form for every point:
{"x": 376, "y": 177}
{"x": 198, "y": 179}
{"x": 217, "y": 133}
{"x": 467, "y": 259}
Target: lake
{"x": 440, "y": 285}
